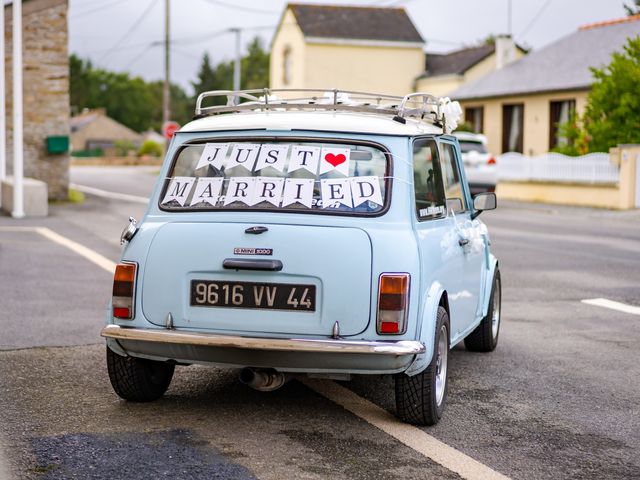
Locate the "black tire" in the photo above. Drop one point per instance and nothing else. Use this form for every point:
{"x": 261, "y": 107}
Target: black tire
{"x": 416, "y": 397}
{"x": 485, "y": 338}
{"x": 137, "y": 379}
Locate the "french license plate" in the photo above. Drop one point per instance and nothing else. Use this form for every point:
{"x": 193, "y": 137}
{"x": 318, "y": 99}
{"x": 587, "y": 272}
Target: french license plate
{"x": 270, "y": 296}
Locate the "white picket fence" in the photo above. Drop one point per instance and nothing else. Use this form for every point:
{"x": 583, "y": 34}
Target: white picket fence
{"x": 555, "y": 167}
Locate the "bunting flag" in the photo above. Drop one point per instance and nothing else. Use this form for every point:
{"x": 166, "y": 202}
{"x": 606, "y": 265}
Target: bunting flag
{"x": 272, "y": 156}
{"x": 207, "y": 190}
{"x": 213, "y": 154}
{"x": 240, "y": 189}
{"x": 365, "y": 189}
{"x": 335, "y": 159}
{"x": 243, "y": 154}
{"x": 298, "y": 190}
{"x": 268, "y": 189}
{"x": 304, "y": 157}
{"x": 179, "y": 190}
{"x": 336, "y": 192}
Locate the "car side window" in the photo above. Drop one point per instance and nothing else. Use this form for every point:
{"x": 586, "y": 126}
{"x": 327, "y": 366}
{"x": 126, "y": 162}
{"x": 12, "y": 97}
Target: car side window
{"x": 430, "y": 197}
{"x": 452, "y": 180}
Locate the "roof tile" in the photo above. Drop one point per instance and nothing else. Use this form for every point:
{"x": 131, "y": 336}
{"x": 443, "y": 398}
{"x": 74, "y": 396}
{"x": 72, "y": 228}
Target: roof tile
{"x": 355, "y": 23}
{"x": 563, "y": 65}
{"x": 456, "y": 62}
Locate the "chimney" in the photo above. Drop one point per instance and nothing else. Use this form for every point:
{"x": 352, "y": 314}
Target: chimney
{"x": 505, "y": 50}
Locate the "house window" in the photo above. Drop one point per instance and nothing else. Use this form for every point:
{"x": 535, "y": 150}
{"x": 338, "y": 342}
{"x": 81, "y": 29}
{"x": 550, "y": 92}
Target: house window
{"x": 474, "y": 116}
{"x": 286, "y": 66}
{"x": 559, "y": 112}
{"x": 513, "y": 128}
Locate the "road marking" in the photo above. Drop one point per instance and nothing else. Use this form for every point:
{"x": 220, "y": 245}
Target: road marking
{"x": 621, "y": 307}
{"x": 411, "y": 436}
{"x": 106, "y": 194}
{"x": 4, "y": 464}
{"x": 91, "y": 255}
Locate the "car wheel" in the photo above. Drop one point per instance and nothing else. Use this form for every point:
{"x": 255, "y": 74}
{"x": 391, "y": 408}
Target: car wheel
{"x": 420, "y": 398}
{"x": 137, "y": 379}
{"x": 485, "y": 337}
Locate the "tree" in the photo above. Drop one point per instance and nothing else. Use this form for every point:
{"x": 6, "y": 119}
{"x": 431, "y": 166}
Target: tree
{"x": 632, "y": 9}
{"x": 207, "y": 78}
{"x": 254, "y": 72}
{"x": 255, "y": 66}
{"x": 181, "y": 105}
{"x": 130, "y": 101}
{"x": 612, "y": 114}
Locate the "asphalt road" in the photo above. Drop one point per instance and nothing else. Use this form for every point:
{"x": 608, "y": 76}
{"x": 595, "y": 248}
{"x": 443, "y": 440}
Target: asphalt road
{"x": 559, "y": 398}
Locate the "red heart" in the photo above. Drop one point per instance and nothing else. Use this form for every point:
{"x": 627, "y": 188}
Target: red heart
{"x": 335, "y": 160}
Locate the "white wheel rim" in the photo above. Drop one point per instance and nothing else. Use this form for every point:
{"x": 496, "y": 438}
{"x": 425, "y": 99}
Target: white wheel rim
{"x": 441, "y": 365}
{"x": 495, "y": 318}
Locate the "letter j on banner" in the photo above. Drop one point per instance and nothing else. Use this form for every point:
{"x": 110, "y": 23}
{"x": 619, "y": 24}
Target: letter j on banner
{"x": 178, "y": 190}
{"x": 213, "y": 154}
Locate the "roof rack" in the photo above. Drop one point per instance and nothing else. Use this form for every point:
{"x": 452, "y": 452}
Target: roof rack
{"x": 418, "y": 106}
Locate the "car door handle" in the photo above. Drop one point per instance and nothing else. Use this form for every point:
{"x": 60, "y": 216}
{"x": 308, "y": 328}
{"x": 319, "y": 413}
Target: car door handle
{"x": 252, "y": 264}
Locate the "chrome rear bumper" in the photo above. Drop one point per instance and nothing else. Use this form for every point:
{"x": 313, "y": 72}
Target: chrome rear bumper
{"x": 393, "y": 348}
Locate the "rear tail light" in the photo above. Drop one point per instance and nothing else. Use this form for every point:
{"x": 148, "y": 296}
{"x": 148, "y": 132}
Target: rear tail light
{"x": 491, "y": 161}
{"x": 124, "y": 290}
{"x": 393, "y": 301}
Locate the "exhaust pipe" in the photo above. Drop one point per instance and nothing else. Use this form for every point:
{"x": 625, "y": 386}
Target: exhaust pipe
{"x": 264, "y": 380}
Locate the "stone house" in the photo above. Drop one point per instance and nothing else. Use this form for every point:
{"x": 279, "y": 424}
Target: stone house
{"x": 46, "y": 91}
{"x": 521, "y": 105}
{"x": 93, "y": 129}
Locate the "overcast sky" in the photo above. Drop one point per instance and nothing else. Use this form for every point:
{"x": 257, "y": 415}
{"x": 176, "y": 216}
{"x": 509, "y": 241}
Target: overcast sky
{"x": 125, "y": 35}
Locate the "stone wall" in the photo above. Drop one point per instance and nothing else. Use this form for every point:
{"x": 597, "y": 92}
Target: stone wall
{"x": 46, "y": 90}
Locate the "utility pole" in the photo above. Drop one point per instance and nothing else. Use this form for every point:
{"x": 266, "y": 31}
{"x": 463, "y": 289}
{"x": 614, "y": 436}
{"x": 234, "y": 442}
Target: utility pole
{"x": 3, "y": 120}
{"x": 166, "y": 95}
{"x": 18, "y": 151}
{"x": 236, "y": 63}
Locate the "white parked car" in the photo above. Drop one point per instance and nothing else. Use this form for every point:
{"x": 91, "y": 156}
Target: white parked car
{"x": 479, "y": 165}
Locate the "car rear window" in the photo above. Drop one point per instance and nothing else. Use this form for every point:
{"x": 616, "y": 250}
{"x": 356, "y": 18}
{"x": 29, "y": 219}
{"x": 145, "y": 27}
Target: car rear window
{"x": 293, "y": 176}
{"x": 469, "y": 146}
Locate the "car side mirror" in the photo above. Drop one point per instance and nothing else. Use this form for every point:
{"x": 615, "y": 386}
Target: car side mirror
{"x": 484, "y": 201}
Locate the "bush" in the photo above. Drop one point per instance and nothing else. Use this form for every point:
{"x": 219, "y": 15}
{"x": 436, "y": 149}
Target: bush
{"x": 123, "y": 147}
{"x": 96, "y": 152}
{"x": 149, "y": 147}
{"x": 577, "y": 139}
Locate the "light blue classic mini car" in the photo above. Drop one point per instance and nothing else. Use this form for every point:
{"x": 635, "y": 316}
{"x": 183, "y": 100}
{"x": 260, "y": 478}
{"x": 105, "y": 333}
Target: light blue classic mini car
{"x": 302, "y": 232}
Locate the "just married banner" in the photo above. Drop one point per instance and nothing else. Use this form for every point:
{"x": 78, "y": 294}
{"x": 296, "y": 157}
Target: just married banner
{"x": 233, "y": 163}
{"x": 350, "y": 192}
